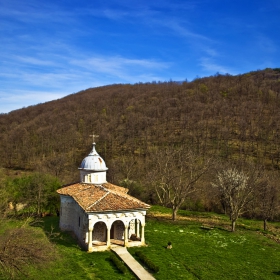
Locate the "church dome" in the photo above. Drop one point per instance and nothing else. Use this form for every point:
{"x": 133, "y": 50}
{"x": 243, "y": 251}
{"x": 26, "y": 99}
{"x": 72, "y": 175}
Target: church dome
{"x": 93, "y": 162}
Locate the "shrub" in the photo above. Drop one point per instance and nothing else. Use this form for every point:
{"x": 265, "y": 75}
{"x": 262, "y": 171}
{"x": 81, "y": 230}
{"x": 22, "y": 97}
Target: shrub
{"x": 147, "y": 261}
{"x": 118, "y": 263}
{"x": 21, "y": 248}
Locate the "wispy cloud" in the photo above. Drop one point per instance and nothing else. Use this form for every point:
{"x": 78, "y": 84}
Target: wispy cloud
{"x": 24, "y": 98}
{"x": 211, "y": 67}
{"x": 34, "y": 61}
{"x": 121, "y": 67}
{"x": 185, "y": 32}
{"x": 44, "y": 79}
{"x": 266, "y": 44}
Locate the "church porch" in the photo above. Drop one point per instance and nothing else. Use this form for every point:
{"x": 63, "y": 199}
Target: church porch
{"x": 125, "y": 233}
{"x": 99, "y": 246}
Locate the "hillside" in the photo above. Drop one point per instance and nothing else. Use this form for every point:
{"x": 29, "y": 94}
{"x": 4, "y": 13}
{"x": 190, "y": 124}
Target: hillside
{"x": 230, "y": 117}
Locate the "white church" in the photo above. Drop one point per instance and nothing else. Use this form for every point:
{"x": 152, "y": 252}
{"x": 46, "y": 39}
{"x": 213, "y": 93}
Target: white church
{"x": 99, "y": 213}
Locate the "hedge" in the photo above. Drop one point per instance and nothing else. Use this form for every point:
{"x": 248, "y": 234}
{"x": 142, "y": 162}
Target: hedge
{"x": 118, "y": 263}
{"x": 146, "y": 261}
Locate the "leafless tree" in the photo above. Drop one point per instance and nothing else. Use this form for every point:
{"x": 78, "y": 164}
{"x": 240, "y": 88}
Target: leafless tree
{"x": 174, "y": 174}
{"x": 22, "y": 247}
{"x": 267, "y": 195}
{"x": 236, "y": 188}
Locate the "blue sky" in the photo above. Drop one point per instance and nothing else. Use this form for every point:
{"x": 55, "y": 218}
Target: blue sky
{"x": 52, "y": 48}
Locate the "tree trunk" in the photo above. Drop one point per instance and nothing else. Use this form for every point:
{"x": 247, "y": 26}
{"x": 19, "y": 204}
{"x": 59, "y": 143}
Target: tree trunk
{"x": 174, "y": 213}
{"x": 233, "y": 225}
{"x": 265, "y": 224}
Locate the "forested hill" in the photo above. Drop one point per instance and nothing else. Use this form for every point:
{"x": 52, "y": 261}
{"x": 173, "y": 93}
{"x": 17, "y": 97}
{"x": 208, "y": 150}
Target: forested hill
{"x": 228, "y": 116}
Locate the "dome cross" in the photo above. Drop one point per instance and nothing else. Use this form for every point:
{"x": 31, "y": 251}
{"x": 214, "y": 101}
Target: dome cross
{"x": 93, "y": 137}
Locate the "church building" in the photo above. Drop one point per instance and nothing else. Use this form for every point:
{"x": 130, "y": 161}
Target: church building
{"x": 99, "y": 213}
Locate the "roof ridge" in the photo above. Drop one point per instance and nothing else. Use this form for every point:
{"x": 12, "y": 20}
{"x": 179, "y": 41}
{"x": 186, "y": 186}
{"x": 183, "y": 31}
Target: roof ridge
{"x": 88, "y": 207}
{"x": 115, "y": 186}
{"x": 84, "y": 189}
{"x": 128, "y": 196}
{"x": 88, "y": 186}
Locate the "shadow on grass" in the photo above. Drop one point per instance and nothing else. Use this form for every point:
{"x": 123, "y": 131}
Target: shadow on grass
{"x": 50, "y": 225}
{"x": 276, "y": 272}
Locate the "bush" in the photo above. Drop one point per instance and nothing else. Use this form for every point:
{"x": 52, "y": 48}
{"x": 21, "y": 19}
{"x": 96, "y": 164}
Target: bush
{"x": 21, "y": 248}
{"x": 147, "y": 261}
{"x": 118, "y": 263}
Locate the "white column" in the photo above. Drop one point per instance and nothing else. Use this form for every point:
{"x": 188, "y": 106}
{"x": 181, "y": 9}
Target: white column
{"x": 125, "y": 235}
{"x": 90, "y": 240}
{"x": 132, "y": 226}
{"x": 108, "y": 236}
{"x": 90, "y": 230}
{"x": 142, "y": 234}
{"x": 138, "y": 227}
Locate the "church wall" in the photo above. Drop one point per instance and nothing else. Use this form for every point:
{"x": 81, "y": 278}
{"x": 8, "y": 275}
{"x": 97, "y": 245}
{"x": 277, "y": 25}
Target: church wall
{"x": 66, "y": 211}
{"x": 73, "y": 218}
{"x": 80, "y": 223}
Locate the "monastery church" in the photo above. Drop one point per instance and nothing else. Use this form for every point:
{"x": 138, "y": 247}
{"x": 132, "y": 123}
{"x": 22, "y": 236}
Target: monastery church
{"x": 99, "y": 213}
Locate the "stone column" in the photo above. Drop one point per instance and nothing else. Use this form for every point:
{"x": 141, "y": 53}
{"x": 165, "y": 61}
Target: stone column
{"x": 132, "y": 226}
{"x": 108, "y": 236}
{"x": 90, "y": 240}
{"x": 90, "y": 230}
{"x": 137, "y": 228}
{"x": 142, "y": 234}
{"x": 125, "y": 235}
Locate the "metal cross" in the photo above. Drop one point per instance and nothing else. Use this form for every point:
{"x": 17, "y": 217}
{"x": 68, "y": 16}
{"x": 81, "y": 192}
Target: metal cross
{"x": 93, "y": 137}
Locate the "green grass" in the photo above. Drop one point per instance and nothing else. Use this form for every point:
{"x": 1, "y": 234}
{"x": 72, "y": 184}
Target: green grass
{"x": 72, "y": 262}
{"x": 75, "y": 263}
{"x": 210, "y": 254}
{"x": 198, "y": 252}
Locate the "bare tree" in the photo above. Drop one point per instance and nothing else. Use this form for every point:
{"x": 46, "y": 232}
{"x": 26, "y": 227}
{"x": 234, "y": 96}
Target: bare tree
{"x": 22, "y": 247}
{"x": 175, "y": 173}
{"x": 236, "y": 189}
{"x": 267, "y": 195}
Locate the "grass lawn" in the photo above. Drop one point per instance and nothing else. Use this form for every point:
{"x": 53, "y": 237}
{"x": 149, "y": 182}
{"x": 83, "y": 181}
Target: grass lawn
{"x": 203, "y": 248}
{"x": 204, "y": 253}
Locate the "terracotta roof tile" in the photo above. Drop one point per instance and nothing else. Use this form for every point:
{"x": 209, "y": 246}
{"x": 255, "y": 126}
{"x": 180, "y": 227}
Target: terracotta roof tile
{"x": 105, "y": 197}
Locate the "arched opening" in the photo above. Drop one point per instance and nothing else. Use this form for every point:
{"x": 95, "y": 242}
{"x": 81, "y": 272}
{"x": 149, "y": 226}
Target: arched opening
{"x": 117, "y": 232}
{"x": 99, "y": 233}
{"x": 134, "y": 230}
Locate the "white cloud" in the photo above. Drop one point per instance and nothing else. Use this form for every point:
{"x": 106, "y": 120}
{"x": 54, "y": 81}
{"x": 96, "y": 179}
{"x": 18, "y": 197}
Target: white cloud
{"x": 212, "y": 67}
{"x": 57, "y": 78}
{"x": 34, "y": 61}
{"x": 120, "y": 67}
{"x": 184, "y": 31}
{"x": 16, "y": 99}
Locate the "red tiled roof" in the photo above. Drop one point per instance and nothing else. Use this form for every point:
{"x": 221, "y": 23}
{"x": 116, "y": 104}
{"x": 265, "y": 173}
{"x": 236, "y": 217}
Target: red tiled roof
{"x": 104, "y": 197}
